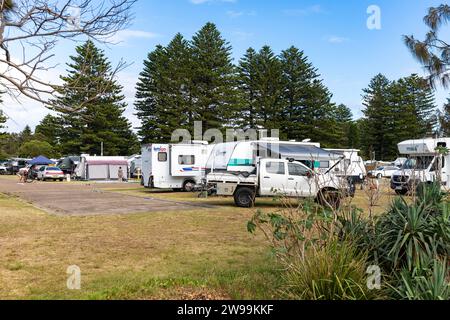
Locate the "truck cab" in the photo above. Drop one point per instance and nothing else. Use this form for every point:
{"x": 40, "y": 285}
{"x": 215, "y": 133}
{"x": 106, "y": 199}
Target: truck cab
{"x": 274, "y": 177}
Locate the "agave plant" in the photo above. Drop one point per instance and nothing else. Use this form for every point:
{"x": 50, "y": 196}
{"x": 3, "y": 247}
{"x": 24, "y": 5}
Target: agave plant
{"x": 408, "y": 232}
{"x": 425, "y": 283}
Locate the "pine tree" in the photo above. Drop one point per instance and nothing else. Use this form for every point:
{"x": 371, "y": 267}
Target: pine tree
{"x": 418, "y": 105}
{"x": 214, "y": 78}
{"x": 354, "y": 135}
{"x": 308, "y": 111}
{"x": 444, "y": 120}
{"x": 50, "y": 129}
{"x": 26, "y": 134}
{"x": 148, "y": 91}
{"x": 247, "y": 115}
{"x": 101, "y": 120}
{"x": 343, "y": 118}
{"x": 378, "y": 124}
{"x": 269, "y": 90}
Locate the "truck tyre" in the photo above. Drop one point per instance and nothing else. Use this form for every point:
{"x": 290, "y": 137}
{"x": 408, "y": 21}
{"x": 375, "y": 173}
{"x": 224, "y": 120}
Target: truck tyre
{"x": 327, "y": 198}
{"x": 244, "y": 197}
{"x": 403, "y": 192}
{"x": 189, "y": 186}
{"x": 379, "y": 176}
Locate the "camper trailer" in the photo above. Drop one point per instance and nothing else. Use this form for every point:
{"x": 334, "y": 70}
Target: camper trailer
{"x": 174, "y": 166}
{"x": 100, "y": 168}
{"x": 352, "y": 167}
{"x": 249, "y": 169}
{"x": 241, "y": 156}
{"x": 424, "y": 164}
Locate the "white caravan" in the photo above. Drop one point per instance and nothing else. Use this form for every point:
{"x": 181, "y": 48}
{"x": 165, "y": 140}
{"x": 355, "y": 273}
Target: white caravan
{"x": 101, "y": 168}
{"x": 266, "y": 168}
{"x": 423, "y": 165}
{"x": 174, "y": 166}
{"x": 352, "y": 168}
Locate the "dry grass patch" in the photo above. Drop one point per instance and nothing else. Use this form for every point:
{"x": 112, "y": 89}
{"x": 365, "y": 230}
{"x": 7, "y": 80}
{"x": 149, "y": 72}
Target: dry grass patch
{"x": 133, "y": 256}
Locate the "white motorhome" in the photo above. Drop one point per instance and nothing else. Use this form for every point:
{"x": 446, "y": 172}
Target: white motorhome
{"x": 352, "y": 168}
{"x": 266, "y": 168}
{"x": 174, "y": 166}
{"x": 423, "y": 165}
{"x": 100, "y": 168}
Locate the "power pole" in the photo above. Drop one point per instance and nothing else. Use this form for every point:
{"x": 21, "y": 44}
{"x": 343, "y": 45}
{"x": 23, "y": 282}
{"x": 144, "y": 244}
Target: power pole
{"x": 101, "y": 148}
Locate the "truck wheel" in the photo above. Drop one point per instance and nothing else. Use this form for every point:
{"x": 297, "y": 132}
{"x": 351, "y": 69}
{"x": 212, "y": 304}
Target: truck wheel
{"x": 188, "y": 186}
{"x": 401, "y": 192}
{"x": 379, "y": 176}
{"x": 244, "y": 198}
{"x": 327, "y": 198}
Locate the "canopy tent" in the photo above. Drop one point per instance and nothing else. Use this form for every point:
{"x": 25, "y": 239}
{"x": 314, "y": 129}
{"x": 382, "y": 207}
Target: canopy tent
{"x": 40, "y": 161}
{"x": 298, "y": 152}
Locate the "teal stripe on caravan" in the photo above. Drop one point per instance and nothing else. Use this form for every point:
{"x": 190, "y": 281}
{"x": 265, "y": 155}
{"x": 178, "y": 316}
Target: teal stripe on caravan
{"x": 240, "y": 162}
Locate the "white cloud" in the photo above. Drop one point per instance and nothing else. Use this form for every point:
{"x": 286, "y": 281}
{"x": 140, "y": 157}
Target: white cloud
{"x": 236, "y": 14}
{"x": 124, "y": 36}
{"x": 315, "y": 9}
{"x": 337, "y": 40}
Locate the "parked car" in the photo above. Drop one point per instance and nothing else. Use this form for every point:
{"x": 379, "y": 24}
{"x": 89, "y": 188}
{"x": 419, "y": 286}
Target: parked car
{"x": 50, "y": 173}
{"x": 3, "y": 169}
{"x": 383, "y": 172}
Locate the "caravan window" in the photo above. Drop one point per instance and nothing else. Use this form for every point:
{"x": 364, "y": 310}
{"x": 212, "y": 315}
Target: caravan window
{"x": 324, "y": 164}
{"x": 186, "y": 160}
{"x": 162, "y": 156}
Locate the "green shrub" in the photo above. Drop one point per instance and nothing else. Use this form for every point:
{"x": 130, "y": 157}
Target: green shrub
{"x": 424, "y": 283}
{"x": 334, "y": 272}
{"x": 406, "y": 233}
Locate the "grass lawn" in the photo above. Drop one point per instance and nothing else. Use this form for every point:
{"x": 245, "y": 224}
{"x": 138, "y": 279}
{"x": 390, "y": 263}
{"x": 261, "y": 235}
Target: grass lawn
{"x": 168, "y": 255}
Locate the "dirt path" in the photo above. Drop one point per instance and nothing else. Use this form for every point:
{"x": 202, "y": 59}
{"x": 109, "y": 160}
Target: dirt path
{"x": 87, "y": 199}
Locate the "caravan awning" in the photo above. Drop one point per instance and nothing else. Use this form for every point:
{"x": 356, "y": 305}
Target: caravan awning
{"x": 299, "y": 152}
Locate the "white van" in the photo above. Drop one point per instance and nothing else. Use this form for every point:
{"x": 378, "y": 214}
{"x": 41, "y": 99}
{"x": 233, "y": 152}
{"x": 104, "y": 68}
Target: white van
{"x": 423, "y": 165}
{"x": 174, "y": 166}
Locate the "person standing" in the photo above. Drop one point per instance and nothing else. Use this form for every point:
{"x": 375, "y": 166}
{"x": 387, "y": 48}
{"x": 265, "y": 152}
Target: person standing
{"x": 120, "y": 174}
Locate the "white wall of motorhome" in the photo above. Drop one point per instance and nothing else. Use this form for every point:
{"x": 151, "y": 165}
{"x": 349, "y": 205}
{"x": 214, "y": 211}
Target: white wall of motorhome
{"x": 174, "y": 166}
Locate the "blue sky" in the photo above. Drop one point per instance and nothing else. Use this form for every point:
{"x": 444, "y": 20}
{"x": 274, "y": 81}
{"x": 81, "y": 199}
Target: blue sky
{"x": 333, "y": 34}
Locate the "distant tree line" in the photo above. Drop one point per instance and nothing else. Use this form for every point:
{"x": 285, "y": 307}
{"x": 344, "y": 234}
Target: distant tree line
{"x": 196, "y": 80}
{"x": 99, "y": 121}
{"x": 395, "y": 111}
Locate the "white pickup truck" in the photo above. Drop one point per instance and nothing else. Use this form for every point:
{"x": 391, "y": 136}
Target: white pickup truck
{"x": 274, "y": 177}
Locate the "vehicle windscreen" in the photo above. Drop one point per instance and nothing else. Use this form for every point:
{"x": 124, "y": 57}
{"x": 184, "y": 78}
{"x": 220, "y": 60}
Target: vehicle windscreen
{"x": 418, "y": 163}
{"x": 53, "y": 169}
